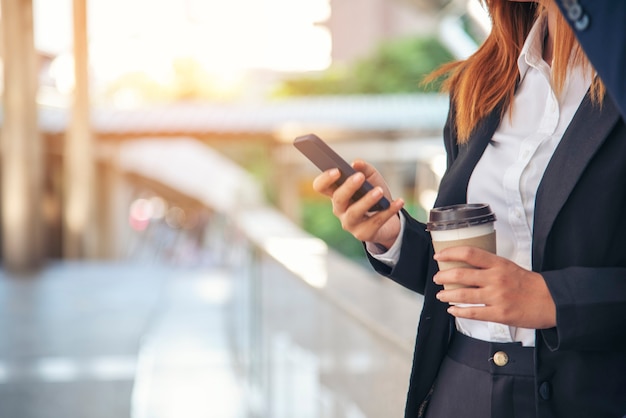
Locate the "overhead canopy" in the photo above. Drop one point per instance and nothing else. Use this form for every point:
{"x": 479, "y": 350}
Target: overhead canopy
{"x": 342, "y": 115}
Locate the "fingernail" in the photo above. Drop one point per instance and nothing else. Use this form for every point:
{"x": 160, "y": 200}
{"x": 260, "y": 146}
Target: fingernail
{"x": 377, "y": 192}
{"x": 357, "y": 177}
{"x": 333, "y": 172}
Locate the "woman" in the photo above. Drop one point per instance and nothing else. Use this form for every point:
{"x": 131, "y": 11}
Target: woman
{"x": 532, "y": 133}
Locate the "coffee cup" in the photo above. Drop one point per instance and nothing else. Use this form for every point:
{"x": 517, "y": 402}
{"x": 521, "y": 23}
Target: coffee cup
{"x": 461, "y": 225}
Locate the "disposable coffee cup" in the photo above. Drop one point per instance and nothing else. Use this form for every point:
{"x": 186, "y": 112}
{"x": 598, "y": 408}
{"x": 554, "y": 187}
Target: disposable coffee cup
{"x": 461, "y": 225}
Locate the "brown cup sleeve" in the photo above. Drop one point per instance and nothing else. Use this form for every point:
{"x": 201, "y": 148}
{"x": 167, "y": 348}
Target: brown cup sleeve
{"x": 486, "y": 242}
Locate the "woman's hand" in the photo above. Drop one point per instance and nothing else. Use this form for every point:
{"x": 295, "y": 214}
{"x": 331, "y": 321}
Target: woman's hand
{"x": 380, "y": 227}
{"x": 510, "y": 294}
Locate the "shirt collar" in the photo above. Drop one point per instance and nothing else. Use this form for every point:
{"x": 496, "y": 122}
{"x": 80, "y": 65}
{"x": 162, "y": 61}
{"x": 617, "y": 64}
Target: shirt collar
{"x": 532, "y": 51}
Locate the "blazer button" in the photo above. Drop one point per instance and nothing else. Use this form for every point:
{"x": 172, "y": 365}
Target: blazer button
{"x": 545, "y": 391}
{"x": 574, "y": 12}
{"x": 500, "y": 358}
{"x": 582, "y": 23}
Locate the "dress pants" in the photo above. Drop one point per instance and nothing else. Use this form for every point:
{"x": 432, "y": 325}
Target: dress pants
{"x": 481, "y": 379}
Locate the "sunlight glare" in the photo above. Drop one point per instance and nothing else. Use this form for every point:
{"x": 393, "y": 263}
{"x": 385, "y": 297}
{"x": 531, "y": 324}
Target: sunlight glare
{"x": 306, "y": 257}
{"x": 227, "y": 39}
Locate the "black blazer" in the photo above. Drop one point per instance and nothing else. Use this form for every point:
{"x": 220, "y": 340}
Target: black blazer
{"x": 600, "y": 26}
{"x": 579, "y": 246}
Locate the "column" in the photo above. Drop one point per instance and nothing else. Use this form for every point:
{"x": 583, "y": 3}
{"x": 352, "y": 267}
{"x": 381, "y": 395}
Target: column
{"x": 22, "y": 160}
{"x": 79, "y": 240}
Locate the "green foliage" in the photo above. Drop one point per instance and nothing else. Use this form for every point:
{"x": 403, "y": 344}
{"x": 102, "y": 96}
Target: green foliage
{"x": 397, "y": 66}
{"x": 318, "y": 219}
{"x": 332, "y": 81}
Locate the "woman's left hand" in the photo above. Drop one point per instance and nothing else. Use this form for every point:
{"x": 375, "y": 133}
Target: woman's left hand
{"x": 510, "y": 294}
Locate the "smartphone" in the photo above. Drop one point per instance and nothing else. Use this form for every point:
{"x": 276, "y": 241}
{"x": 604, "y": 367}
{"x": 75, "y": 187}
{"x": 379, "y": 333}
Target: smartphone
{"x": 325, "y": 158}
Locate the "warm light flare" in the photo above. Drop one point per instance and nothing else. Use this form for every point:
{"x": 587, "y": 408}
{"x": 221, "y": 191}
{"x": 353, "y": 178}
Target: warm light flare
{"x": 226, "y": 39}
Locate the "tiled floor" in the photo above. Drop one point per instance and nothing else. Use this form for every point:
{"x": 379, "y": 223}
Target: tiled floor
{"x": 69, "y": 339}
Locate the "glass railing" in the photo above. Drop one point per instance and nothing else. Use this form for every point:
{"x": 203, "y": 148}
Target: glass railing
{"x": 303, "y": 332}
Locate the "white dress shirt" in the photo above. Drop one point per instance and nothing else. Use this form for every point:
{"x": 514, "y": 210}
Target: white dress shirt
{"x": 509, "y": 172}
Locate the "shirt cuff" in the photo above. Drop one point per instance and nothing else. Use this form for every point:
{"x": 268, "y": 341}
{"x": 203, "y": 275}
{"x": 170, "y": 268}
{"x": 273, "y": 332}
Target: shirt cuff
{"x": 392, "y": 255}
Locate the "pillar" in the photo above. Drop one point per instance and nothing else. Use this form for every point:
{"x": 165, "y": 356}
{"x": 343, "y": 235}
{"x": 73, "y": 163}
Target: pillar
{"x": 22, "y": 160}
{"x": 79, "y": 240}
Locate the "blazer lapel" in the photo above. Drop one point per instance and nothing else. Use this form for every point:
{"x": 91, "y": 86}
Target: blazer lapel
{"x": 586, "y": 133}
{"x": 453, "y": 186}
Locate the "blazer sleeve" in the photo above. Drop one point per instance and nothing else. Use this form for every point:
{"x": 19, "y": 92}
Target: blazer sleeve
{"x": 600, "y": 28}
{"x": 416, "y": 257}
{"x": 591, "y": 307}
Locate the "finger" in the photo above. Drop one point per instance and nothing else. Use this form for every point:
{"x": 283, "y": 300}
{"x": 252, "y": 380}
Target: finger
{"x": 473, "y": 256}
{"x": 359, "y": 217}
{"x": 360, "y": 210}
{"x": 365, "y": 168}
{"x": 325, "y": 182}
{"x": 363, "y": 205}
{"x": 467, "y": 277}
{"x": 513, "y": 316}
{"x": 369, "y": 227}
{"x": 342, "y": 197}
{"x": 371, "y": 174}
{"x": 465, "y": 295}
{"x": 487, "y": 313}
{"x": 479, "y": 313}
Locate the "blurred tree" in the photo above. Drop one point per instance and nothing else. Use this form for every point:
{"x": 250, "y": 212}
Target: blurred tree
{"x": 318, "y": 219}
{"x": 396, "y": 66}
{"x": 399, "y": 66}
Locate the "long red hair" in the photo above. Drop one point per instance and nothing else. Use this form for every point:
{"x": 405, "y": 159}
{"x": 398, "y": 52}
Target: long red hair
{"x": 489, "y": 77}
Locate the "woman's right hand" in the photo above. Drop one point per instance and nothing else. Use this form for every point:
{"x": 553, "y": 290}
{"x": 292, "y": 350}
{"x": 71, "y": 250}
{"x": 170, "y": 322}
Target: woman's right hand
{"x": 380, "y": 227}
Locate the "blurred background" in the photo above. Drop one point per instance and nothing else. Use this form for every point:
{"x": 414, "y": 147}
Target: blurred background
{"x": 162, "y": 251}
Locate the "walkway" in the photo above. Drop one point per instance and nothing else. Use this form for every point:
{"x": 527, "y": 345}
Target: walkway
{"x": 150, "y": 341}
